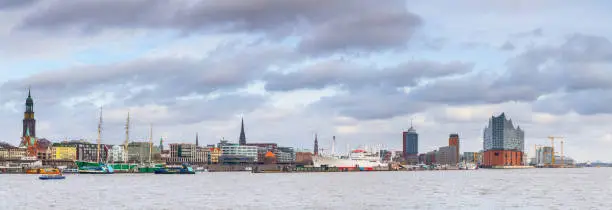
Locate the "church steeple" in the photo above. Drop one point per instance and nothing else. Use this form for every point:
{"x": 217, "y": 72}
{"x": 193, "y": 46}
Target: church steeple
{"x": 242, "y": 139}
{"x": 161, "y": 143}
{"x": 29, "y": 123}
{"x": 316, "y": 145}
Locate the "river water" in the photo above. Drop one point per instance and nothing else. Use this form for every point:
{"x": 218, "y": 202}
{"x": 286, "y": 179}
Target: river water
{"x": 586, "y": 188}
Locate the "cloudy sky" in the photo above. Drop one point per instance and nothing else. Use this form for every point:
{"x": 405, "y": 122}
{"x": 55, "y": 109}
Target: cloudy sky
{"x": 360, "y": 70}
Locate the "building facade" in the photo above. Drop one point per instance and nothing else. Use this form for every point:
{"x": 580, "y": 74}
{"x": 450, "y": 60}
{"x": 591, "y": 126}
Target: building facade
{"x": 238, "y": 154}
{"x": 64, "y": 152}
{"x": 410, "y": 141}
{"x": 303, "y": 158}
{"x": 12, "y": 153}
{"x": 117, "y": 155}
{"x": 188, "y": 153}
{"x": 471, "y": 157}
{"x": 285, "y": 155}
{"x": 430, "y": 157}
{"x": 447, "y": 156}
{"x": 213, "y": 155}
{"x": 453, "y": 140}
{"x": 142, "y": 152}
{"x": 503, "y": 144}
{"x": 86, "y": 151}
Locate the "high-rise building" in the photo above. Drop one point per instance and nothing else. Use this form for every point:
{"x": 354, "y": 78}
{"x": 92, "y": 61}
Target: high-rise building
{"x": 29, "y": 123}
{"x": 453, "y": 140}
{"x": 503, "y": 144}
{"x": 242, "y": 139}
{"x": 447, "y": 156}
{"x": 410, "y": 140}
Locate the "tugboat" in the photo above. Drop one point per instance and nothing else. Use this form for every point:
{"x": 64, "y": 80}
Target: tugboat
{"x": 183, "y": 169}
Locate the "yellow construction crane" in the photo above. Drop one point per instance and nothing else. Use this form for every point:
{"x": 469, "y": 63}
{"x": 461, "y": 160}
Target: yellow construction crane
{"x": 552, "y": 142}
{"x": 562, "y": 156}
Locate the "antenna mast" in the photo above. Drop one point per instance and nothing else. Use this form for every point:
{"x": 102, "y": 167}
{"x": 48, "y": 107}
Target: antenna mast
{"x": 150, "y": 141}
{"x": 99, "y": 136}
{"x": 333, "y": 149}
{"x": 127, "y": 138}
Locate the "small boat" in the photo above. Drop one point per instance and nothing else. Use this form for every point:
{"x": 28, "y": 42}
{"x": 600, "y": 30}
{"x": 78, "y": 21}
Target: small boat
{"x": 70, "y": 171}
{"x": 49, "y": 171}
{"x": 184, "y": 169}
{"x": 49, "y": 177}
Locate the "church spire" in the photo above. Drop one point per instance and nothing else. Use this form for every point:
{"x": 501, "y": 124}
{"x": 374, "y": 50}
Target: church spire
{"x": 161, "y": 144}
{"x": 242, "y": 140}
{"x": 29, "y": 123}
{"x": 316, "y": 145}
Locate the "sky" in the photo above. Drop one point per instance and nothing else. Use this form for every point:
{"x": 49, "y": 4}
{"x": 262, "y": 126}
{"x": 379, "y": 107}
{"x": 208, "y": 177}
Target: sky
{"x": 363, "y": 71}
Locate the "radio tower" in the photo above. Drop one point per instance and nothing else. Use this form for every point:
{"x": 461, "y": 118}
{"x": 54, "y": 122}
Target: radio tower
{"x": 333, "y": 146}
{"x": 99, "y": 136}
{"x": 127, "y": 138}
{"x": 150, "y": 141}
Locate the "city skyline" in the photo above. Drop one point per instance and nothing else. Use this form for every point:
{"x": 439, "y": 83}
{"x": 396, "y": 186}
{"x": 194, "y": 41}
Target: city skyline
{"x": 293, "y": 77}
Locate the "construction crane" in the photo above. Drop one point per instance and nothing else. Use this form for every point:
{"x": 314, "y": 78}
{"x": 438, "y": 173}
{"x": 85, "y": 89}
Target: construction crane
{"x": 562, "y": 156}
{"x": 552, "y": 142}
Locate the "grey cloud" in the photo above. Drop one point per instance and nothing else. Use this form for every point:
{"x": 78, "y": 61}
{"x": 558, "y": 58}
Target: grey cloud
{"x": 585, "y": 102}
{"x": 533, "y": 33}
{"x": 473, "y": 89}
{"x": 11, "y": 4}
{"x": 370, "y": 32}
{"x": 333, "y": 25}
{"x": 582, "y": 64}
{"x": 507, "y": 46}
{"x": 351, "y": 76}
{"x": 168, "y": 77}
{"x": 368, "y": 104}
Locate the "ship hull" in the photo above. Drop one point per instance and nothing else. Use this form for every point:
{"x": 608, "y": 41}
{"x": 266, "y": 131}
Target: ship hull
{"x": 93, "y": 168}
{"x": 50, "y": 177}
{"x": 320, "y": 161}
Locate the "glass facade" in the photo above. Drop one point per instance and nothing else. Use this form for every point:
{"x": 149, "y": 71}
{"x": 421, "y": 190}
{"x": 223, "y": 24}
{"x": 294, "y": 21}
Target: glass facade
{"x": 500, "y": 134}
{"x": 411, "y": 142}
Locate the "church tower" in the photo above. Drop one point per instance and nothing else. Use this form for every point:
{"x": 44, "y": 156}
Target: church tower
{"x": 29, "y": 123}
{"x": 242, "y": 138}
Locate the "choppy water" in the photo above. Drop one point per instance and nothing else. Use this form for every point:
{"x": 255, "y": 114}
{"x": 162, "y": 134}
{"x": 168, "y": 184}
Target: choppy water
{"x": 588, "y": 188}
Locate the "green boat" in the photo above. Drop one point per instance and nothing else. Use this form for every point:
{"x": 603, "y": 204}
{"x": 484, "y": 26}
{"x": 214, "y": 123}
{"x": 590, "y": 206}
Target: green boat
{"x": 93, "y": 168}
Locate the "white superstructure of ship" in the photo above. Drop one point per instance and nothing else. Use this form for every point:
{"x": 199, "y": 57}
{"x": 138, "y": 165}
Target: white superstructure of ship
{"x": 356, "y": 158}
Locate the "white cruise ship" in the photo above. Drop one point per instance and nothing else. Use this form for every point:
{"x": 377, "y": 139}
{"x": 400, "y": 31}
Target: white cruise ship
{"x": 357, "y": 158}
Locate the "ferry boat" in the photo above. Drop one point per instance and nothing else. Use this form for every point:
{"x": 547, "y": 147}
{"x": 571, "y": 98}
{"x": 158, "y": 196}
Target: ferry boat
{"x": 184, "y": 169}
{"x": 48, "y": 177}
{"x": 467, "y": 166}
{"x": 357, "y": 159}
{"x": 43, "y": 171}
{"x": 93, "y": 168}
